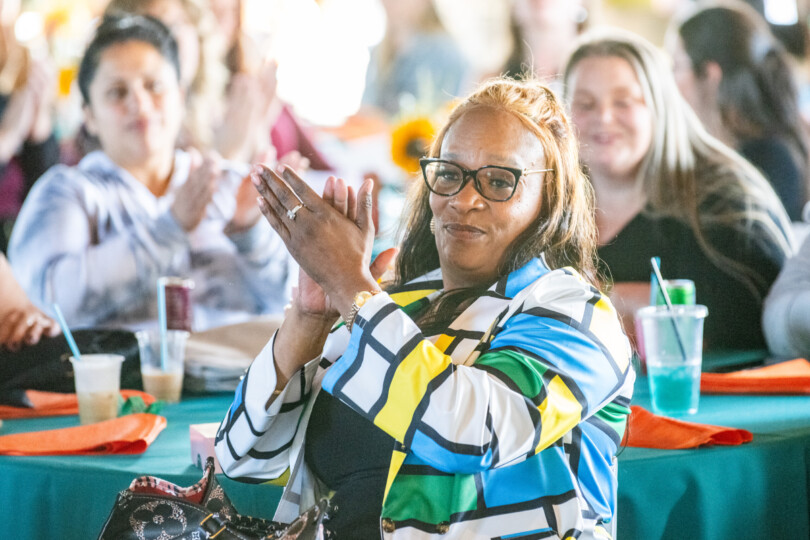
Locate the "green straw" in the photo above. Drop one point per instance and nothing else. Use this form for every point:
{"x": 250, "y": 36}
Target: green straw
{"x": 654, "y": 263}
{"x": 65, "y": 330}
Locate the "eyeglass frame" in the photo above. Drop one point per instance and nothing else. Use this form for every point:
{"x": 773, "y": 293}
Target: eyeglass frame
{"x": 468, "y": 173}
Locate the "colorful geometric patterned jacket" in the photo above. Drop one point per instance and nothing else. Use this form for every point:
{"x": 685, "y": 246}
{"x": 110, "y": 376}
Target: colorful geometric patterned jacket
{"x": 506, "y": 424}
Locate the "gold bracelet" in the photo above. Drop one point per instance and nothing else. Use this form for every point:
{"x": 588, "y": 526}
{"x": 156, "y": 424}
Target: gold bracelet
{"x": 359, "y": 301}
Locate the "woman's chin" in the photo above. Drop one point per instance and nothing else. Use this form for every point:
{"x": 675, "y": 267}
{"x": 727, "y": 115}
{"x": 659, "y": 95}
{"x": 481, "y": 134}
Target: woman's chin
{"x": 465, "y": 273}
{"x": 141, "y": 150}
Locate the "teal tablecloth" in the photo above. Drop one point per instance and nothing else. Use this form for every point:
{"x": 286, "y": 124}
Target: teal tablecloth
{"x": 70, "y": 497}
{"x": 758, "y": 490}
{"x": 754, "y": 491}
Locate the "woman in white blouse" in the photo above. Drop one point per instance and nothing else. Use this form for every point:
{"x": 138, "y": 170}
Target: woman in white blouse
{"x": 96, "y": 237}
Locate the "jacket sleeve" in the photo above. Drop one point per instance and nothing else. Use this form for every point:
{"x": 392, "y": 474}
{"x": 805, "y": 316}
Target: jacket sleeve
{"x": 254, "y": 441}
{"x": 556, "y": 361}
{"x": 786, "y": 317}
{"x": 58, "y": 255}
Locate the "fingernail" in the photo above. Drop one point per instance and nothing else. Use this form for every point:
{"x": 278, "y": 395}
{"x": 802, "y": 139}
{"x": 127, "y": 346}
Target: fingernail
{"x": 254, "y": 179}
{"x": 281, "y": 168}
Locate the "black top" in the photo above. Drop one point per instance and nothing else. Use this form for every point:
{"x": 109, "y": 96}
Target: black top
{"x": 351, "y": 456}
{"x": 772, "y": 156}
{"x": 33, "y": 159}
{"x": 734, "y": 310}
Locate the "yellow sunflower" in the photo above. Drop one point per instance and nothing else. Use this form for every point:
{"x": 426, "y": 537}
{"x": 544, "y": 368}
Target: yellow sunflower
{"x": 410, "y": 140}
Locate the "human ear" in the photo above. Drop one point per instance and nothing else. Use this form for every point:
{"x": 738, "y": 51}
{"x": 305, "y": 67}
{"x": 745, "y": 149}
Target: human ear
{"x": 89, "y": 120}
{"x": 713, "y": 74}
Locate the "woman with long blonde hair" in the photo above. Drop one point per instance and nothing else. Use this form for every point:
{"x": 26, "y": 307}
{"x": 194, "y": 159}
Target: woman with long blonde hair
{"x": 417, "y": 60}
{"x": 665, "y": 187}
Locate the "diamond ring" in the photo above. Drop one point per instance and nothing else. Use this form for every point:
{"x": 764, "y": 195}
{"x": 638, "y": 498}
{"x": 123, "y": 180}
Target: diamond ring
{"x": 291, "y": 213}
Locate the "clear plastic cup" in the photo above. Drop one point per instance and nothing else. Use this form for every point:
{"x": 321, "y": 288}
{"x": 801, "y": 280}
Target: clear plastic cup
{"x": 165, "y": 382}
{"x": 98, "y": 385}
{"x": 673, "y": 351}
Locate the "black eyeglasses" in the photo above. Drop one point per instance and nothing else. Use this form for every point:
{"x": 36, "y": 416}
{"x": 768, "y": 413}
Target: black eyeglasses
{"x": 493, "y": 182}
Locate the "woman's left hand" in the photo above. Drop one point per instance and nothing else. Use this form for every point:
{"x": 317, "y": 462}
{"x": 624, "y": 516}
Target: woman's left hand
{"x": 25, "y": 326}
{"x": 247, "y": 212}
{"x": 334, "y": 250}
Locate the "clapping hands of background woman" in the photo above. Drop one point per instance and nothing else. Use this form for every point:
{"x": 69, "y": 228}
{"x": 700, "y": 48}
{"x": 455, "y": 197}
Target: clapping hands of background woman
{"x": 247, "y": 210}
{"x": 196, "y": 194}
{"x": 250, "y": 110}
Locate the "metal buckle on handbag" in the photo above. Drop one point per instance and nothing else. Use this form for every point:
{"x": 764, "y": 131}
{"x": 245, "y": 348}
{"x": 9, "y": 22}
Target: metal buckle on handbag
{"x": 215, "y": 526}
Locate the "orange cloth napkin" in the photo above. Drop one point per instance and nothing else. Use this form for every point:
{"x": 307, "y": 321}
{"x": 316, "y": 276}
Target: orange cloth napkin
{"x": 131, "y": 434}
{"x": 56, "y": 404}
{"x": 792, "y": 377}
{"x": 648, "y": 430}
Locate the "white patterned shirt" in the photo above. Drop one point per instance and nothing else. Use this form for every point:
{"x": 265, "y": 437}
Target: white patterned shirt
{"x": 95, "y": 240}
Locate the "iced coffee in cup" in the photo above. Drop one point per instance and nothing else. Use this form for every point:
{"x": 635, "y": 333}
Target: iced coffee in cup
{"x": 162, "y": 365}
{"x": 98, "y": 385}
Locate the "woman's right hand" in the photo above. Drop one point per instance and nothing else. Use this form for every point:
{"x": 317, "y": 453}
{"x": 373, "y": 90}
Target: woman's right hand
{"x": 193, "y": 197}
{"x": 309, "y": 297}
{"x": 311, "y": 314}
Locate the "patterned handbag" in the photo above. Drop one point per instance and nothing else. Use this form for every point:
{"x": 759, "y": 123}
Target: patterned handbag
{"x": 154, "y": 509}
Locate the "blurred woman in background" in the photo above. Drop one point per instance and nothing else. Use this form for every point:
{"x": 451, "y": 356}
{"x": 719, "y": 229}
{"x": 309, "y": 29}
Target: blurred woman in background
{"x": 231, "y": 100}
{"x": 786, "y": 318}
{"x": 417, "y": 60}
{"x": 739, "y": 80}
{"x": 543, "y": 34}
{"x": 95, "y": 237}
{"x": 27, "y": 143}
{"x": 665, "y": 187}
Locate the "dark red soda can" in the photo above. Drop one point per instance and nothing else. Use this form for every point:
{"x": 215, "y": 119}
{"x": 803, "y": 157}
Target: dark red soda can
{"x": 179, "y": 314}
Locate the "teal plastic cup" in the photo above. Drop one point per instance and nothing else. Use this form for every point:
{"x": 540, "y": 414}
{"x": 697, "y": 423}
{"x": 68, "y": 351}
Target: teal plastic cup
{"x": 673, "y": 350}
